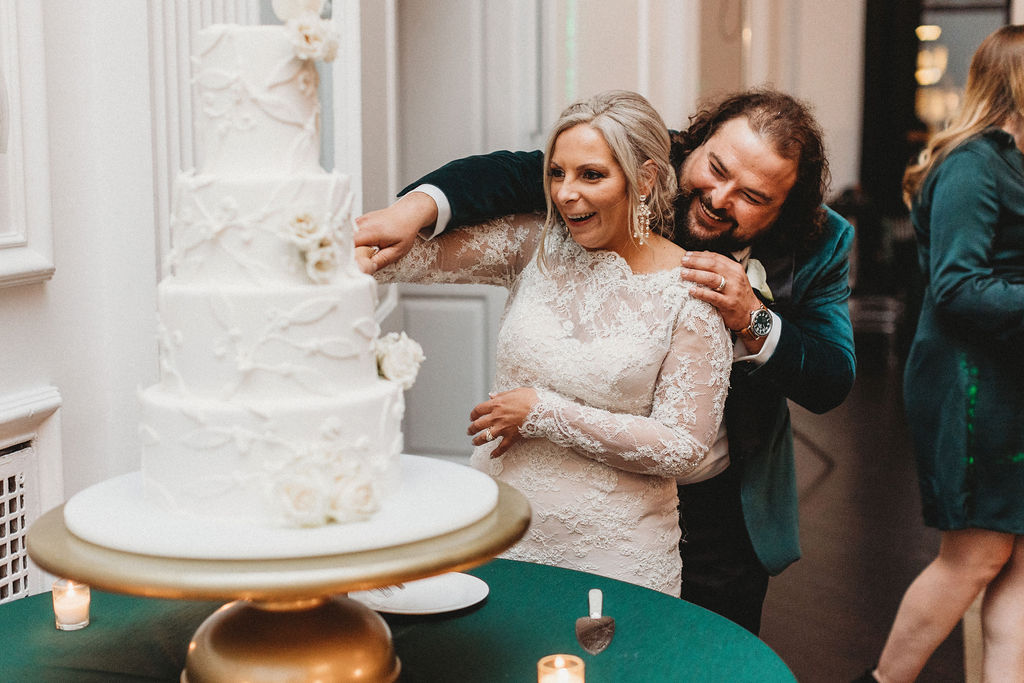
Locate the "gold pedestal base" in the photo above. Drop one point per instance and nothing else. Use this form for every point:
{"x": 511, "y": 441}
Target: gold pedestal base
{"x": 331, "y": 640}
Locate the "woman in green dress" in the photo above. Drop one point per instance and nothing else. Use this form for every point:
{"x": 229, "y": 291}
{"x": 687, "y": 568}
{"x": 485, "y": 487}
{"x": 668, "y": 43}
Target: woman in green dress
{"x": 964, "y": 380}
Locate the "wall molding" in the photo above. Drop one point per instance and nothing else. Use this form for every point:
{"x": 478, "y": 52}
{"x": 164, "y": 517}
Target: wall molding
{"x": 26, "y": 231}
{"x": 33, "y": 416}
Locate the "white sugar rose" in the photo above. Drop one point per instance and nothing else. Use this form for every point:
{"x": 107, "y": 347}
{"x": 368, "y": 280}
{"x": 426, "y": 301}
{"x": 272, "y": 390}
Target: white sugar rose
{"x": 306, "y": 232}
{"x": 293, "y": 9}
{"x": 759, "y": 278}
{"x": 303, "y": 499}
{"x": 312, "y": 38}
{"x": 353, "y": 498}
{"x": 399, "y": 358}
{"x": 322, "y": 263}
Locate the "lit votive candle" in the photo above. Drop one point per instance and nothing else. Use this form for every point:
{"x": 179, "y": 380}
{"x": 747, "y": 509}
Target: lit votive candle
{"x": 560, "y": 669}
{"x": 70, "y": 604}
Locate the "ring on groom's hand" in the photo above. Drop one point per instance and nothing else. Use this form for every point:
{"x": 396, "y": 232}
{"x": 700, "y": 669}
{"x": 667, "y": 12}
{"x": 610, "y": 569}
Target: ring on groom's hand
{"x": 721, "y": 285}
{"x": 488, "y": 435}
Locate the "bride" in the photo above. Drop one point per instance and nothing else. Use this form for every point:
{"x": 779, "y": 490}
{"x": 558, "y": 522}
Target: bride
{"x": 610, "y": 378}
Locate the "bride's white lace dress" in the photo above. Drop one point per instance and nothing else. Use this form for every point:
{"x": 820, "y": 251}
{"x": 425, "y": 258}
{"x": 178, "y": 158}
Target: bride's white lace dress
{"x": 631, "y": 373}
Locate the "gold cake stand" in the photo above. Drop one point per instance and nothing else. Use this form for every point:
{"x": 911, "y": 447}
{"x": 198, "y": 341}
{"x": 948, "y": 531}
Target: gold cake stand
{"x": 289, "y": 619}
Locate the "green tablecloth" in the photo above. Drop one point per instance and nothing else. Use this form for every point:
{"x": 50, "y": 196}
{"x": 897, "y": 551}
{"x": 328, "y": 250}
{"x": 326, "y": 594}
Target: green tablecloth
{"x": 531, "y": 612}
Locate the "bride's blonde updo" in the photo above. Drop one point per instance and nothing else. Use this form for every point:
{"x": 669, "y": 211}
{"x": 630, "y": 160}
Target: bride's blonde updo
{"x": 634, "y": 132}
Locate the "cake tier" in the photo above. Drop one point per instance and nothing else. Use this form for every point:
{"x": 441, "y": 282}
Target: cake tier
{"x": 295, "y": 229}
{"x": 276, "y": 463}
{"x": 259, "y": 343}
{"x": 256, "y": 104}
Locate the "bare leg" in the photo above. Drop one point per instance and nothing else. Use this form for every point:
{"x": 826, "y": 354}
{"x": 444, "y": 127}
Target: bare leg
{"x": 1002, "y": 621}
{"x": 933, "y": 604}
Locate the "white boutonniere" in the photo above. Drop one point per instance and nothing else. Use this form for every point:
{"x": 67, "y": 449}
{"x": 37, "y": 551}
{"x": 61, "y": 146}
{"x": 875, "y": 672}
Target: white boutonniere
{"x": 759, "y": 279}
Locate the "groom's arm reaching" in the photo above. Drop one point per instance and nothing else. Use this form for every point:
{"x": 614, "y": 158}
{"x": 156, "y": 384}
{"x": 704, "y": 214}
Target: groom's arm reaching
{"x": 485, "y": 186}
{"x": 476, "y": 188}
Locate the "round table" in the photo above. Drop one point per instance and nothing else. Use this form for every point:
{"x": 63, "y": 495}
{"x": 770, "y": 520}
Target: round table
{"x": 529, "y": 612}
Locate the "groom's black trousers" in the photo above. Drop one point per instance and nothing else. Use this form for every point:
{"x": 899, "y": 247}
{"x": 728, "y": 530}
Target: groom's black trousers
{"x": 721, "y": 572}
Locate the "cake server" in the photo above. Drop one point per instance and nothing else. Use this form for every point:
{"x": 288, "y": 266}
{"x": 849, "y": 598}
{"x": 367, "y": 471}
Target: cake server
{"x": 595, "y": 632}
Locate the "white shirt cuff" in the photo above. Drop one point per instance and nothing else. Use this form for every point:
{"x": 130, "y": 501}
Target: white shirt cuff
{"x": 444, "y": 210}
{"x": 740, "y": 353}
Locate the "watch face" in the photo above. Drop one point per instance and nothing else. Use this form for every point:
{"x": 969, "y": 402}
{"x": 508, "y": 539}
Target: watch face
{"x": 761, "y": 323}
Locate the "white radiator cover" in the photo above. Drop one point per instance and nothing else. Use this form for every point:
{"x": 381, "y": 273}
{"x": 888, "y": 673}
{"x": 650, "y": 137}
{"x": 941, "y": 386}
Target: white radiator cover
{"x": 19, "y": 507}
{"x": 31, "y": 482}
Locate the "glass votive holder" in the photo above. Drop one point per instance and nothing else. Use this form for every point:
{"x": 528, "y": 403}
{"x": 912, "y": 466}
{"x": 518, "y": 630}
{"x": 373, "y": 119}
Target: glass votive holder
{"x": 70, "y": 604}
{"x": 560, "y": 669}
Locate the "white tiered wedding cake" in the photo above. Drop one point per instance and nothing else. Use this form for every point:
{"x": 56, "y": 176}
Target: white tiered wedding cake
{"x": 269, "y": 406}
{"x": 275, "y": 428}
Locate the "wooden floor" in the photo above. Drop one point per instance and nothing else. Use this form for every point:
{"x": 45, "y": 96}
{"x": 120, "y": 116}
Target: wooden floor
{"x": 863, "y": 541}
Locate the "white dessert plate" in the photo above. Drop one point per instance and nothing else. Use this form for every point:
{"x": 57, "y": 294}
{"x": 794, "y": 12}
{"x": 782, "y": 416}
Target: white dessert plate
{"x": 433, "y": 595}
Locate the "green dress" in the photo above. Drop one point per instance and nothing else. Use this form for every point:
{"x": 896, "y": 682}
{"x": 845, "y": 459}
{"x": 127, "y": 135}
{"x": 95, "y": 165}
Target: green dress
{"x": 964, "y": 379}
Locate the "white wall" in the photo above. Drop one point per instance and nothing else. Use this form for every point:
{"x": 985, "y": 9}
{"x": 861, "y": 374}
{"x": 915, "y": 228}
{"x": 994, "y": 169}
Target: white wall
{"x": 88, "y": 331}
{"x": 815, "y": 51}
{"x": 828, "y": 39}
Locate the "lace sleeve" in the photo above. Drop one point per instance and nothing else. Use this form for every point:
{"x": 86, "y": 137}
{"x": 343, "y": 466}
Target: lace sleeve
{"x": 490, "y": 253}
{"x": 689, "y": 399}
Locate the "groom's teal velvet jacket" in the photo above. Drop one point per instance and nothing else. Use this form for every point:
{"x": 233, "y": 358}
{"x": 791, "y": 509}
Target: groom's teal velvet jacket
{"x": 813, "y": 364}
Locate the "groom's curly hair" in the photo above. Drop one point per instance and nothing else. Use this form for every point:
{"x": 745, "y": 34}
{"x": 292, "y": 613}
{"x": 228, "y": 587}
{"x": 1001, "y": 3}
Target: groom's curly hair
{"x": 788, "y": 125}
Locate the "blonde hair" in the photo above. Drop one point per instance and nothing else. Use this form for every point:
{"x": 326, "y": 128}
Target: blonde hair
{"x": 634, "y": 132}
{"x": 994, "y": 96}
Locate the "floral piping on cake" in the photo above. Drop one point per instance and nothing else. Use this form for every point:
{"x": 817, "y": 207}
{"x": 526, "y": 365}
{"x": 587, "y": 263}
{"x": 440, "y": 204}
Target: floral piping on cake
{"x": 398, "y": 358}
{"x": 335, "y": 476}
{"x": 311, "y": 35}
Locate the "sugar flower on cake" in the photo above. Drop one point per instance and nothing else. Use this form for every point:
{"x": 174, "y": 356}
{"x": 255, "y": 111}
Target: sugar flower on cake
{"x": 322, "y": 262}
{"x": 354, "y": 496}
{"x": 316, "y": 242}
{"x": 398, "y": 358}
{"x": 306, "y": 231}
{"x": 304, "y": 497}
{"x": 326, "y": 481}
{"x": 312, "y": 36}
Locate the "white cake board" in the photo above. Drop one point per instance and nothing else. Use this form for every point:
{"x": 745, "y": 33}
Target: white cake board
{"x": 436, "y": 497}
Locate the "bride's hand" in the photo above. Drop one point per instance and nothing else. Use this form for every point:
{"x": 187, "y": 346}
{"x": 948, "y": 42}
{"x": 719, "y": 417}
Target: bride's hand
{"x": 501, "y": 417}
{"x": 364, "y": 259}
{"x": 394, "y": 228}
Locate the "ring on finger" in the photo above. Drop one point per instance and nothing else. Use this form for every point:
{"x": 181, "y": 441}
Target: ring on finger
{"x": 488, "y": 435}
{"x": 721, "y": 284}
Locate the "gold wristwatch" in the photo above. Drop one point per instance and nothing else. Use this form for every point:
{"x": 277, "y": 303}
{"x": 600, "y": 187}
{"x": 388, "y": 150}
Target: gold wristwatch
{"x": 760, "y": 325}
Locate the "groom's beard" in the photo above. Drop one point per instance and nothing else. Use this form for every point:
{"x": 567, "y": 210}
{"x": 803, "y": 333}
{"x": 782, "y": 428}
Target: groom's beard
{"x": 724, "y": 242}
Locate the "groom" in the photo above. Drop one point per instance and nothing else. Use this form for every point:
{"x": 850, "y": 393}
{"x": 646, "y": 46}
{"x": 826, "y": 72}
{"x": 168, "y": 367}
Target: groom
{"x": 752, "y": 176}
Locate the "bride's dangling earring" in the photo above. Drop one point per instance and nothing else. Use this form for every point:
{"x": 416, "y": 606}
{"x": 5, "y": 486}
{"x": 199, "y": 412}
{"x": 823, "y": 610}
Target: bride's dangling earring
{"x": 642, "y": 226}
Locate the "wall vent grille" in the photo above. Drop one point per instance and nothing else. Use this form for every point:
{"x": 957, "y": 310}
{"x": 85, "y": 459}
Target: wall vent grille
{"x": 19, "y": 508}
